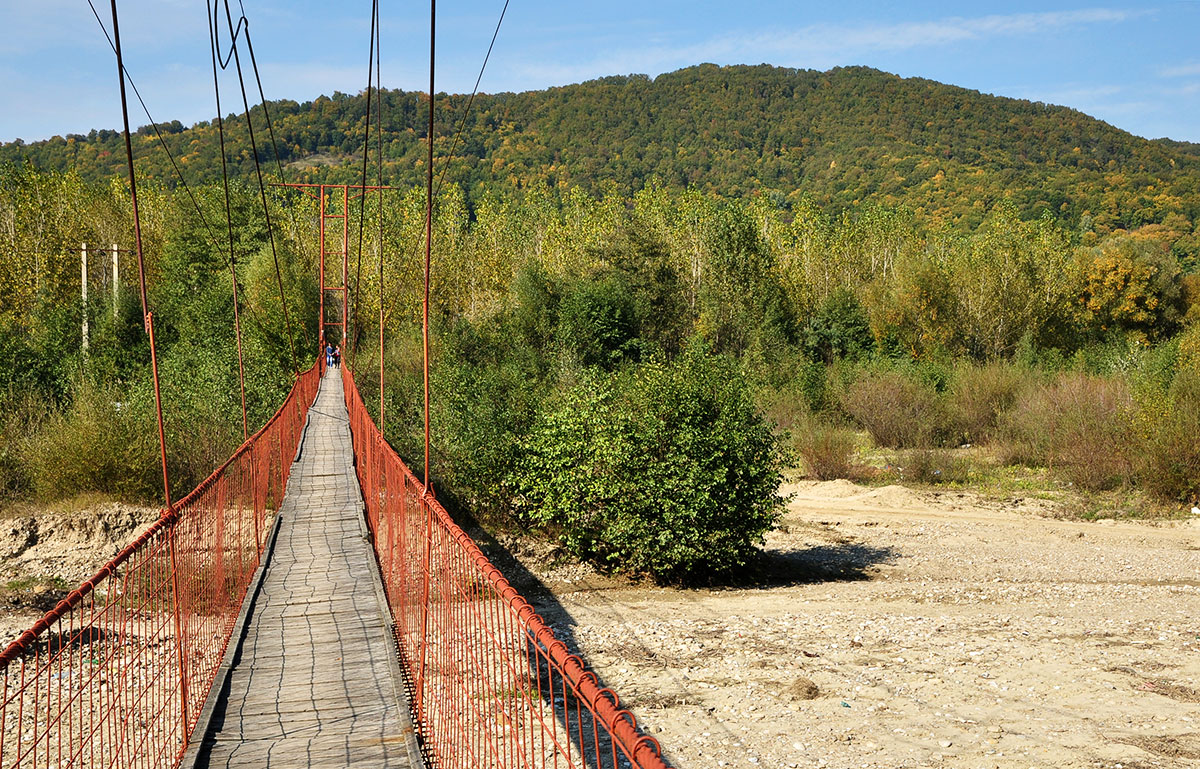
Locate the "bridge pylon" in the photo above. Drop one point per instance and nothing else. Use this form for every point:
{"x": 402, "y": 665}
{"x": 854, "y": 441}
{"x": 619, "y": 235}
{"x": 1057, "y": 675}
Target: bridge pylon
{"x": 333, "y": 202}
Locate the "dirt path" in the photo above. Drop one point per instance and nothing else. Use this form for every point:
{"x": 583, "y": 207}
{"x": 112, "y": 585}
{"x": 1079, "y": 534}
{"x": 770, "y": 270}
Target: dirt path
{"x": 939, "y": 630}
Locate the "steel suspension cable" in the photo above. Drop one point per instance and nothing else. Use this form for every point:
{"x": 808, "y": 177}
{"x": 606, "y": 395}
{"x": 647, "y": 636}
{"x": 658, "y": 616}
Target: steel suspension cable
{"x": 157, "y": 133}
{"x": 262, "y": 97}
{"x": 237, "y": 321}
{"x": 262, "y": 190}
{"x": 462, "y": 123}
{"x": 270, "y": 131}
{"x": 147, "y": 316}
{"x": 470, "y": 101}
{"x": 362, "y": 206}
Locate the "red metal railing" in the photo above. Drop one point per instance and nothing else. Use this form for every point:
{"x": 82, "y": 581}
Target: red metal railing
{"x": 115, "y": 675}
{"x": 491, "y": 685}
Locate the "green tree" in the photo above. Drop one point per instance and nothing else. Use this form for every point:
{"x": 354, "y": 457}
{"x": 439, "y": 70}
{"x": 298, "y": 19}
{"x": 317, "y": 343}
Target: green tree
{"x": 665, "y": 469}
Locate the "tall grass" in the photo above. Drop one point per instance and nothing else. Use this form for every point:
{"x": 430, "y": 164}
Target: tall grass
{"x": 1079, "y": 425}
{"x": 897, "y": 408}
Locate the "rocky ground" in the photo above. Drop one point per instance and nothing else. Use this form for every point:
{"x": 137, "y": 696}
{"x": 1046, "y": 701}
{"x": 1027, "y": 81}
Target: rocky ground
{"x": 913, "y": 629}
{"x": 893, "y": 628}
{"x": 45, "y": 554}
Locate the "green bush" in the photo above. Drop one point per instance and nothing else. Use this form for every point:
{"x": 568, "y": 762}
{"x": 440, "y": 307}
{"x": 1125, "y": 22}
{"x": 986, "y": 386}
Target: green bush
{"x": 662, "y": 469}
{"x": 898, "y": 410}
{"x": 1172, "y": 461}
{"x": 1080, "y": 426}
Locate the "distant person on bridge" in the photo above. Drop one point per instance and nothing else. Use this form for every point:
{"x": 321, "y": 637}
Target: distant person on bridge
{"x": 328, "y": 356}
{"x": 337, "y": 357}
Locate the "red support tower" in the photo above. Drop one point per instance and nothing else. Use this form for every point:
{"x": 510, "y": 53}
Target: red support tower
{"x": 325, "y": 195}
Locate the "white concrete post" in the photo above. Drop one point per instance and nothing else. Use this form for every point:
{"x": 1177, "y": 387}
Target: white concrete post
{"x": 116, "y": 288}
{"x": 83, "y": 283}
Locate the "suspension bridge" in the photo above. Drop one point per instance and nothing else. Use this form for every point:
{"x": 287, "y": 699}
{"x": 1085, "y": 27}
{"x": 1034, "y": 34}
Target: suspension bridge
{"x": 310, "y": 603}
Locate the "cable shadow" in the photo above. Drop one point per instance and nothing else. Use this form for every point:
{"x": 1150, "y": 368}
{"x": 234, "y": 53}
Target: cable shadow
{"x": 772, "y": 568}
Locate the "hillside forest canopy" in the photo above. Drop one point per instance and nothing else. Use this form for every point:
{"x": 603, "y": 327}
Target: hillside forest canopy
{"x": 627, "y": 362}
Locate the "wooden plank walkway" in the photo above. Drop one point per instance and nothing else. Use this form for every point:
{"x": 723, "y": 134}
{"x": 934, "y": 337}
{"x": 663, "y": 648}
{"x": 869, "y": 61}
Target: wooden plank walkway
{"x": 316, "y": 682}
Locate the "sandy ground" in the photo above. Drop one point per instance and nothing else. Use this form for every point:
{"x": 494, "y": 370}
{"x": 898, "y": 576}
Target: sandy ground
{"x": 50, "y": 553}
{"x": 901, "y": 628}
{"x": 911, "y": 629}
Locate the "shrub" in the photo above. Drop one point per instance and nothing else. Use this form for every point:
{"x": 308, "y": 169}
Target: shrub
{"x": 979, "y": 395}
{"x": 828, "y": 451}
{"x": 22, "y": 418}
{"x": 1172, "y": 460}
{"x": 1079, "y": 425}
{"x": 666, "y": 470}
{"x": 99, "y": 444}
{"x": 898, "y": 410}
{"x": 933, "y": 466}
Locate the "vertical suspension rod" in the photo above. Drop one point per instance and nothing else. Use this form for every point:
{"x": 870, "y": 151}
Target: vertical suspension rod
{"x": 428, "y": 240}
{"x": 237, "y": 322}
{"x": 147, "y": 318}
{"x": 427, "y": 493}
{"x": 379, "y": 183}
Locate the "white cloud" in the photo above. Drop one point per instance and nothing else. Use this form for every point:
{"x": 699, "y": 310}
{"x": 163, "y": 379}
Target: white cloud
{"x": 1181, "y": 70}
{"x": 826, "y": 45}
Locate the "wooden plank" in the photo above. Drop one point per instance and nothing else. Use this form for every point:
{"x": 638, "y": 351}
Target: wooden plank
{"x": 316, "y": 682}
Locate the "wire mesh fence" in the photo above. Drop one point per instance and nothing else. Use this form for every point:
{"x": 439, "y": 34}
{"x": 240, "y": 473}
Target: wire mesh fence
{"x": 116, "y": 674}
{"x": 491, "y": 686}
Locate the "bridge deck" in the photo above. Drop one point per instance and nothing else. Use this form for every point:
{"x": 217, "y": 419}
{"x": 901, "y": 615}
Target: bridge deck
{"x": 316, "y": 681}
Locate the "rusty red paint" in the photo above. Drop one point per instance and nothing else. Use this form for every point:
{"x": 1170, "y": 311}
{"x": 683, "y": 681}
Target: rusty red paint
{"x": 117, "y": 672}
{"x": 492, "y": 686}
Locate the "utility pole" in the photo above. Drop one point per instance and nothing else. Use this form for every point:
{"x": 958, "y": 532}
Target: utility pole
{"x": 83, "y": 282}
{"x": 116, "y": 287}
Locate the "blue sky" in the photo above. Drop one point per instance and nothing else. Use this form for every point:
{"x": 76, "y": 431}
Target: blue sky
{"x": 1135, "y": 66}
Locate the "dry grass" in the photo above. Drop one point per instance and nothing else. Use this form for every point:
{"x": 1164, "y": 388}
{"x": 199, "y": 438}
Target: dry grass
{"x": 1079, "y": 425}
{"x": 896, "y": 409}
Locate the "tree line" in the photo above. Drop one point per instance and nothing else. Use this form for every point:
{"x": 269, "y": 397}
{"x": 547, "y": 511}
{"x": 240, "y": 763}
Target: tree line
{"x": 627, "y": 374}
{"x": 843, "y": 138}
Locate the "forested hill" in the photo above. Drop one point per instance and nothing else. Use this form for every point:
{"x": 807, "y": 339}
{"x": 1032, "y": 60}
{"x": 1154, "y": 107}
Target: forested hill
{"x": 841, "y": 137}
